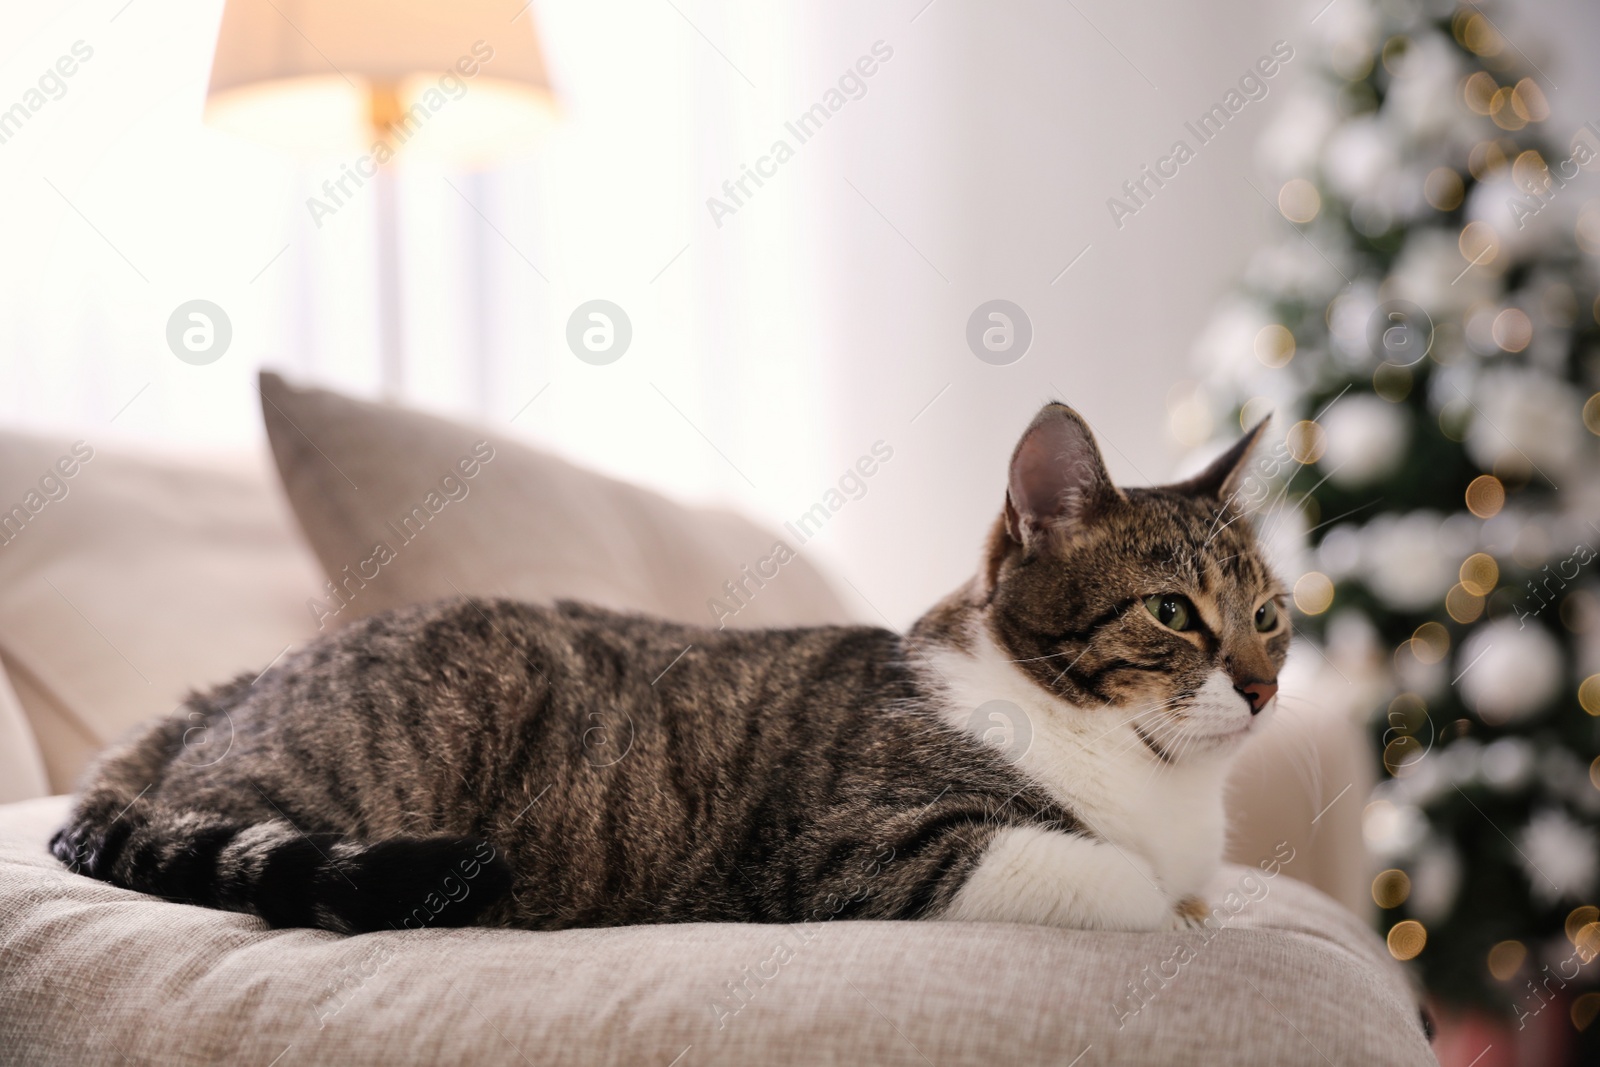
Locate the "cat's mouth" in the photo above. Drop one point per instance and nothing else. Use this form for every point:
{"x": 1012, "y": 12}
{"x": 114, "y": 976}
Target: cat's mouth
{"x": 1199, "y": 736}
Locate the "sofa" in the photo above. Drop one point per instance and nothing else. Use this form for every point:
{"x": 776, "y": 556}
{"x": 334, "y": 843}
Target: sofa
{"x": 132, "y": 576}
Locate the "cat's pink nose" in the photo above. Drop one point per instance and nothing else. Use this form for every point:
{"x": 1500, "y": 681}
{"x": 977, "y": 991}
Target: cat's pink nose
{"x": 1257, "y": 694}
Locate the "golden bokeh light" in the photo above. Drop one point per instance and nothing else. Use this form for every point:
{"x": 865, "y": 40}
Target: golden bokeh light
{"x": 1391, "y": 888}
{"x": 1407, "y": 939}
{"x": 1578, "y": 918}
{"x": 1486, "y": 496}
{"x": 1254, "y": 410}
{"x": 1588, "y": 228}
{"x": 1478, "y": 90}
{"x": 1587, "y": 941}
{"x": 1507, "y": 111}
{"x": 1430, "y": 643}
{"x": 1402, "y": 755}
{"x": 1591, "y": 414}
{"x": 1299, "y": 200}
{"x": 1477, "y": 34}
{"x": 1530, "y": 172}
{"x": 1463, "y": 605}
{"x": 1409, "y": 723}
{"x": 1313, "y": 593}
{"x": 1485, "y": 158}
{"x": 1443, "y": 189}
{"x": 1506, "y": 958}
{"x": 1479, "y": 243}
{"x": 1512, "y": 330}
{"x": 1589, "y": 694}
{"x": 1594, "y": 773}
{"x": 1274, "y": 345}
{"x": 1530, "y": 100}
{"x": 1480, "y": 574}
{"x": 1584, "y": 1009}
{"x": 1307, "y": 441}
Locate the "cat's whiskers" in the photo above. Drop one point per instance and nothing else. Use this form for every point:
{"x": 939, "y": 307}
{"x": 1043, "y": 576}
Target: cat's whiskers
{"x": 1036, "y": 659}
{"x": 1124, "y": 743}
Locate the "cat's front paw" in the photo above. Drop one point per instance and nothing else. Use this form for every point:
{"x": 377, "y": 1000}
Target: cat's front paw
{"x": 1189, "y": 913}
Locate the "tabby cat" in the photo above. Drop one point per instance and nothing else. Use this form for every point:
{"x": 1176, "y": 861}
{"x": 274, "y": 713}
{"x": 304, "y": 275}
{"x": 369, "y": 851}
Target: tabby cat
{"x": 494, "y": 763}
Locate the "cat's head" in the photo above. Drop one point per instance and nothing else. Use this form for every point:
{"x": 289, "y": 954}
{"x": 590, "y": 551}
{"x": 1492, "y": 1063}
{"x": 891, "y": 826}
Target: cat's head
{"x": 1155, "y": 606}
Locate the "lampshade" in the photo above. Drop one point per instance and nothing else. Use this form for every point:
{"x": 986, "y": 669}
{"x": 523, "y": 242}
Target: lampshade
{"x": 455, "y": 80}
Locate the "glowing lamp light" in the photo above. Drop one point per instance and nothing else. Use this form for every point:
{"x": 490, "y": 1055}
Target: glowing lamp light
{"x": 457, "y": 81}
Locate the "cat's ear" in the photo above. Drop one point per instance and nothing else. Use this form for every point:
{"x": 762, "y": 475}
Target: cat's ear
{"x": 1224, "y": 478}
{"x": 1058, "y": 480}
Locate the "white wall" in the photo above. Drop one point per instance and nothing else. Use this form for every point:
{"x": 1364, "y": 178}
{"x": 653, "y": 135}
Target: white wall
{"x": 994, "y": 149}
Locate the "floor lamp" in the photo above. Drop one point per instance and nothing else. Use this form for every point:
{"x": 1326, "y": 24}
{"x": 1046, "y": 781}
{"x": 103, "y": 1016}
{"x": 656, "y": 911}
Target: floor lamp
{"x": 367, "y": 84}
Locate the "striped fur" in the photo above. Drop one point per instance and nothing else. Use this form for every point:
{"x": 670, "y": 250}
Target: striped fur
{"x": 499, "y": 763}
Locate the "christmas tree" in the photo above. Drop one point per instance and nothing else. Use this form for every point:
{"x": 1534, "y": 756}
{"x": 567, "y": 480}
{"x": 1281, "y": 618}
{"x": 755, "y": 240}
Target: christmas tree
{"x": 1427, "y": 337}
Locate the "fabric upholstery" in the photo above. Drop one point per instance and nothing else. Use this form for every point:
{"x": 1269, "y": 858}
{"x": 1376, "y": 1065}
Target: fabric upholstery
{"x": 526, "y": 524}
{"x": 91, "y": 974}
{"x": 144, "y": 580}
{"x": 22, "y": 774}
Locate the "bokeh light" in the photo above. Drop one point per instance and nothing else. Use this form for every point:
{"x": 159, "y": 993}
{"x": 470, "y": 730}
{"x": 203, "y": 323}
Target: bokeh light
{"x": 1307, "y": 441}
{"x": 1313, "y": 593}
{"x": 1512, "y": 329}
{"x": 1274, "y": 345}
{"x": 1299, "y": 200}
{"x": 1589, "y": 694}
{"x": 1443, "y": 189}
{"x": 1391, "y": 888}
{"x": 1480, "y": 574}
{"x": 1486, "y": 496}
{"x": 1479, "y": 243}
{"x": 1506, "y": 958}
{"x": 1430, "y": 643}
{"x": 1407, "y": 939}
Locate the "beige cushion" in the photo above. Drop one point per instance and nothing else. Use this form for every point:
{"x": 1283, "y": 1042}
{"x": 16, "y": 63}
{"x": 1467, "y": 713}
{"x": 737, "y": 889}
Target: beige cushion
{"x": 151, "y": 576}
{"x": 526, "y": 524}
{"x": 22, "y": 774}
{"x": 91, "y": 974}
{"x": 1305, "y": 780}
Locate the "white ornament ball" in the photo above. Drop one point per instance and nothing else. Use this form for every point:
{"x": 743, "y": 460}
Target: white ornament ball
{"x": 1403, "y": 563}
{"x": 1508, "y": 671}
{"x": 1366, "y": 440}
{"x": 1361, "y": 154}
{"x": 1524, "y": 417}
{"x": 1435, "y": 879}
{"x": 1559, "y": 857}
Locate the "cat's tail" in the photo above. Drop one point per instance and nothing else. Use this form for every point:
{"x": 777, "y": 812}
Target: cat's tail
{"x": 289, "y": 878}
{"x": 268, "y": 868}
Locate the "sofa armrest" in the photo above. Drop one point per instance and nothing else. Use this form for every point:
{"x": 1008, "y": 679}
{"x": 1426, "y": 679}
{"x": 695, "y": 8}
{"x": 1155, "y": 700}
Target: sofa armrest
{"x": 1304, "y": 781}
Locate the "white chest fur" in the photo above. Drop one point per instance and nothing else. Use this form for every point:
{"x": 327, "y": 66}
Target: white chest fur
{"x": 1170, "y": 815}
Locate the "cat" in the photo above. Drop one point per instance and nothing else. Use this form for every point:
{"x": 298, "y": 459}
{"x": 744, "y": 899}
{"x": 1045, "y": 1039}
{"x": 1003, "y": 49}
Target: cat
{"x": 495, "y": 763}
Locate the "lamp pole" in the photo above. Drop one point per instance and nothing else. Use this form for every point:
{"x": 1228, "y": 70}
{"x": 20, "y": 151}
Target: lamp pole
{"x": 385, "y": 113}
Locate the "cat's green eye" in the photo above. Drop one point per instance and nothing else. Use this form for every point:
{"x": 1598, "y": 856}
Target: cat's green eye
{"x": 1171, "y": 610}
{"x": 1267, "y": 616}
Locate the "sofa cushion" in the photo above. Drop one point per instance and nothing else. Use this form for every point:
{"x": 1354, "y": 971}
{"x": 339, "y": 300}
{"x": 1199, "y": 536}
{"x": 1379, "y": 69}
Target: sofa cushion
{"x": 91, "y": 974}
{"x": 138, "y": 577}
{"x": 22, "y": 774}
{"x": 403, "y": 507}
